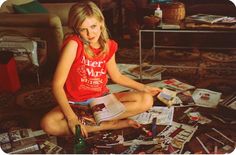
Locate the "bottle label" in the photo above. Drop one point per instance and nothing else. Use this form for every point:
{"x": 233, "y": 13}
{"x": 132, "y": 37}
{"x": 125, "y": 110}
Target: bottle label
{"x": 158, "y": 13}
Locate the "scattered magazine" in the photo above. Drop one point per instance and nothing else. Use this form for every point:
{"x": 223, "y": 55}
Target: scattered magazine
{"x": 167, "y": 96}
{"x": 164, "y": 116}
{"x": 228, "y": 20}
{"x": 51, "y": 148}
{"x": 16, "y": 135}
{"x": 176, "y": 85}
{"x": 114, "y": 88}
{"x": 148, "y": 71}
{"x": 211, "y": 19}
{"x": 106, "y": 108}
{"x": 28, "y": 145}
{"x": 186, "y": 99}
{"x": 177, "y": 135}
{"x": 24, "y": 141}
{"x": 177, "y": 102}
{"x": 229, "y": 102}
{"x": 172, "y": 84}
{"x": 206, "y": 98}
{"x": 19, "y": 141}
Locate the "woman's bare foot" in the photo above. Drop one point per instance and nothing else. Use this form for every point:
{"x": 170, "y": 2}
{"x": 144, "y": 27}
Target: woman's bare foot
{"x": 133, "y": 123}
{"x": 113, "y": 125}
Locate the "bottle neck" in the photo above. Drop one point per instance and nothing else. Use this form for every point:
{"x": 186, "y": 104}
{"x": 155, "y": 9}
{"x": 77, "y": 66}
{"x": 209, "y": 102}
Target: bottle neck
{"x": 78, "y": 135}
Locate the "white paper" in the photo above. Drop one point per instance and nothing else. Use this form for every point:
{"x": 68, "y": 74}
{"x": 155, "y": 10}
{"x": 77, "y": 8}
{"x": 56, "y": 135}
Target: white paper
{"x": 164, "y": 116}
{"x": 206, "y": 98}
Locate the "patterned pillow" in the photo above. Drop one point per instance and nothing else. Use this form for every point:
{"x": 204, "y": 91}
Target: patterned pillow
{"x": 6, "y": 6}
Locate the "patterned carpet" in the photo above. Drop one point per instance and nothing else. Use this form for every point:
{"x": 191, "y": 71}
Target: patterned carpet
{"x": 25, "y": 108}
{"x": 209, "y": 69}
{"x": 18, "y": 108}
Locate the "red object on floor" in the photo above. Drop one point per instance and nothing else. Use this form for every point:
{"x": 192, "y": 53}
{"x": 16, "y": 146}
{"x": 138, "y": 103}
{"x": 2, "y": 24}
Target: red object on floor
{"x": 9, "y": 79}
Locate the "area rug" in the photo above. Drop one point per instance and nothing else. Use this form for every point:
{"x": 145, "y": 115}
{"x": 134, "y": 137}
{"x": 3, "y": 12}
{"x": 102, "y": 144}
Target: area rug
{"x": 36, "y": 99}
{"x": 127, "y": 55}
{"x": 6, "y": 99}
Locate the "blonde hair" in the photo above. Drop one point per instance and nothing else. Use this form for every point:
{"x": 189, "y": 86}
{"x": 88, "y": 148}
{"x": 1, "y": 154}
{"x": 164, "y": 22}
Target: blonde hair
{"x": 77, "y": 15}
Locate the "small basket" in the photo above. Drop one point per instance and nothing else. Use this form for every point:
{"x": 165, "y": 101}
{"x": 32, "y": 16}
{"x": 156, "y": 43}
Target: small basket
{"x": 151, "y": 21}
{"x": 173, "y": 12}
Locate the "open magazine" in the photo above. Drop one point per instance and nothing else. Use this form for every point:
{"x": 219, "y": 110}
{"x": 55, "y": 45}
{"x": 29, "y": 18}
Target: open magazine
{"x": 100, "y": 109}
{"x": 106, "y": 108}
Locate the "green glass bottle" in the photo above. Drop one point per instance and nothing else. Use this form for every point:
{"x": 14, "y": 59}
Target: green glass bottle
{"x": 79, "y": 142}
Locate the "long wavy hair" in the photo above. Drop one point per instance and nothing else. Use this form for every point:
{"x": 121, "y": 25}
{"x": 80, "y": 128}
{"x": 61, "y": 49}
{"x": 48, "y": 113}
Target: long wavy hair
{"x": 77, "y": 15}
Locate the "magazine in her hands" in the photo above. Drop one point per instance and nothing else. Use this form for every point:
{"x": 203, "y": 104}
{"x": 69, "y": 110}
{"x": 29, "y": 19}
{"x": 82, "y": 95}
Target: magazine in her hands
{"x": 106, "y": 108}
{"x": 167, "y": 96}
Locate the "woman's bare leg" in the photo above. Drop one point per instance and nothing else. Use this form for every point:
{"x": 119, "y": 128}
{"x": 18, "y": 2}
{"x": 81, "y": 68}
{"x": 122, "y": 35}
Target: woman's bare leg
{"x": 135, "y": 103}
{"x": 54, "y": 123}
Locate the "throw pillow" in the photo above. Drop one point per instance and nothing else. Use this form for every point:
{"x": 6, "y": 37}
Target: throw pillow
{"x": 31, "y": 7}
{"x": 7, "y": 5}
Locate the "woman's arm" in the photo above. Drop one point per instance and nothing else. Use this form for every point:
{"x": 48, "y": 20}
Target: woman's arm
{"x": 123, "y": 80}
{"x": 60, "y": 76}
{"x": 59, "y": 79}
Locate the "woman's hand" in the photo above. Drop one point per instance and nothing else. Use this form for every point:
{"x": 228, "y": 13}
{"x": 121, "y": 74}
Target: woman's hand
{"x": 152, "y": 90}
{"x": 75, "y": 121}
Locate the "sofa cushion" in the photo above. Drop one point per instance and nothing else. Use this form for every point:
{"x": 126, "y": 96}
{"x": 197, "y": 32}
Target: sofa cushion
{"x": 31, "y": 7}
{"x": 59, "y": 9}
{"x": 6, "y": 7}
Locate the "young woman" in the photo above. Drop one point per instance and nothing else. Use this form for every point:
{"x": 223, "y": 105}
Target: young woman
{"x": 87, "y": 57}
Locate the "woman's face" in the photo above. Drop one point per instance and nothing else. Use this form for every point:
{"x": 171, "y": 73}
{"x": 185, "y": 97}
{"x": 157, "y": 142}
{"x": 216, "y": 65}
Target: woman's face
{"x": 90, "y": 30}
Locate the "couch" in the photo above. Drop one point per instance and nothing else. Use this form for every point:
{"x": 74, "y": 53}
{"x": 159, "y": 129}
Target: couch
{"x": 47, "y": 26}
{"x": 51, "y": 26}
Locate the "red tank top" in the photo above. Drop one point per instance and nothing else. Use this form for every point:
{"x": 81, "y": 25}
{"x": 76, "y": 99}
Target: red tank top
{"x": 87, "y": 77}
